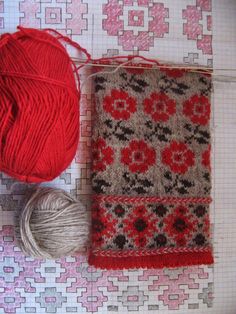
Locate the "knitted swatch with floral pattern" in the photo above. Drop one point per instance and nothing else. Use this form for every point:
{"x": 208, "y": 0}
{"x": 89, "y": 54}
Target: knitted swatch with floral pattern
{"x": 151, "y": 169}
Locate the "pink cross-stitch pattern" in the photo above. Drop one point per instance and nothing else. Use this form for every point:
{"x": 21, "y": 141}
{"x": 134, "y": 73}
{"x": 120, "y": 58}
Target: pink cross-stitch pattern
{"x": 194, "y": 26}
{"x": 66, "y": 16}
{"x": 136, "y": 18}
{"x": 205, "y": 5}
{"x": 16, "y": 278}
{"x": 30, "y": 10}
{"x": 151, "y": 14}
{"x": 53, "y": 15}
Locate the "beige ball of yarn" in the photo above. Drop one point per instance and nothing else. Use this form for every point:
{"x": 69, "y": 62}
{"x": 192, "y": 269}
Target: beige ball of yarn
{"x": 53, "y": 224}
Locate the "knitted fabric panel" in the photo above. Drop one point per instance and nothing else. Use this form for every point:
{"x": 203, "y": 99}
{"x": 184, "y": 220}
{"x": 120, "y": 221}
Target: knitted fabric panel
{"x": 151, "y": 169}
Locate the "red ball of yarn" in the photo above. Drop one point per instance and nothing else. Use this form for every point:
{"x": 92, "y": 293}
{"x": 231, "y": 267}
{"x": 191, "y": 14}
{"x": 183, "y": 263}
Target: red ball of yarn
{"x": 39, "y": 105}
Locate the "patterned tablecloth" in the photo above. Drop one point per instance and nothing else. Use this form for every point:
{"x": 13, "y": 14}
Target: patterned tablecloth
{"x": 178, "y": 31}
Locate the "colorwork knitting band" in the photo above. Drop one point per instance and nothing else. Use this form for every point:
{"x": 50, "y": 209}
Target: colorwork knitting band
{"x": 151, "y": 169}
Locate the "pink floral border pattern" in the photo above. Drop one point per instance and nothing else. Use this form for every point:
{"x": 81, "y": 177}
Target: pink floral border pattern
{"x": 198, "y": 25}
{"x": 135, "y": 24}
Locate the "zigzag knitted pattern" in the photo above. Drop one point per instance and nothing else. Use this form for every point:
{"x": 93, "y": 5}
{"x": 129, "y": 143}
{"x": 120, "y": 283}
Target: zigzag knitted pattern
{"x": 151, "y": 169}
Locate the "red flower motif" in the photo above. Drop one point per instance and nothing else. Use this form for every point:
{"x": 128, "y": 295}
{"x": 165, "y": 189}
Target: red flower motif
{"x": 180, "y": 225}
{"x": 102, "y": 155}
{"x": 119, "y": 104}
{"x": 178, "y": 157}
{"x": 159, "y": 106}
{"x": 175, "y": 73}
{"x": 103, "y": 226}
{"x": 198, "y": 109}
{"x": 138, "y": 156}
{"x": 140, "y": 225}
{"x": 206, "y": 158}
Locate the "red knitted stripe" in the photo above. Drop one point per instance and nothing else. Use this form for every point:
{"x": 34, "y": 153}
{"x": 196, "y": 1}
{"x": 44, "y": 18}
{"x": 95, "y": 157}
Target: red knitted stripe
{"x": 149, "y": 252}
{"x": 156, "y": 261}
{"x": 151, "y": 199}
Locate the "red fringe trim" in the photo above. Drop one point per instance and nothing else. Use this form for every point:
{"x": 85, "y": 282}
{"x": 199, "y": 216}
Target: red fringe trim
{"x": 151, "y": 199}
{"x": 157, "y": 261}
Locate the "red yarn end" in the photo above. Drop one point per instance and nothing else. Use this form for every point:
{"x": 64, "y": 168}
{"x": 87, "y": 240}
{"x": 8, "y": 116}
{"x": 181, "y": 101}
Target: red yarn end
{"x": 157, "y": 261}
